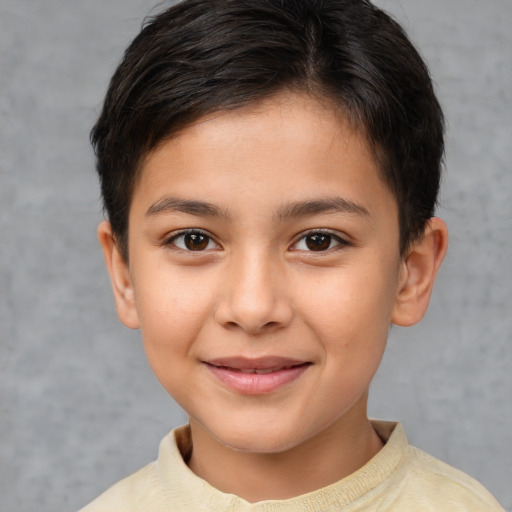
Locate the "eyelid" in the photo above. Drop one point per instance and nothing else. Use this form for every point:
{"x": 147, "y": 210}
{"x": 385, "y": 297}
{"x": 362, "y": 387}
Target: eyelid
{"x": 343, "y": 241}
{"x": 169, "y": 239}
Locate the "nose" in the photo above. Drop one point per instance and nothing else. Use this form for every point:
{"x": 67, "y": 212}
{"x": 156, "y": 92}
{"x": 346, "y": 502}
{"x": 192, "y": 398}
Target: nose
{"x": 254, "y": 296}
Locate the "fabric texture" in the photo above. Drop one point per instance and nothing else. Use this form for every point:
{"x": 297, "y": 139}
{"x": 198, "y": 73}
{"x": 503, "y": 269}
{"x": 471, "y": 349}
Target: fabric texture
{"x": 400, "y": 478}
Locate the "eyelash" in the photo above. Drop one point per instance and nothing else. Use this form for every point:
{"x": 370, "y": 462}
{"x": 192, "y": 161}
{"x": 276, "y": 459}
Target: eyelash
{"x": 208, "y": 239}
{"x": 171, "y": 241}
{"x": 333, "y": 237}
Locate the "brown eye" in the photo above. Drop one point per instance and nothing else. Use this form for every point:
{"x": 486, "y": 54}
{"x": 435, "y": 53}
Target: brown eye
{"x": 318, "y": 242}
{"x": 195, "y": 241}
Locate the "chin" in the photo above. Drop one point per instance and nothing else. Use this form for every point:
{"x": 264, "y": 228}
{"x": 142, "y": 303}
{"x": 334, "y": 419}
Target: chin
{"x": 259, "y": 441}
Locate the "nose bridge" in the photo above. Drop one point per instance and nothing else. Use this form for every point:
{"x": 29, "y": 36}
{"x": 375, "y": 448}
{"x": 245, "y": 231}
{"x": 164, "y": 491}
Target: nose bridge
{"x": 254, "y": 295}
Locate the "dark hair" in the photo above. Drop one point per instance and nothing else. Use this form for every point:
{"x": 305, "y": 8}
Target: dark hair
{"x": 202, "y": 56}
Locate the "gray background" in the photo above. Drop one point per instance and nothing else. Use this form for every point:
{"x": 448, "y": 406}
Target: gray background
{"x": 79, "y": 407}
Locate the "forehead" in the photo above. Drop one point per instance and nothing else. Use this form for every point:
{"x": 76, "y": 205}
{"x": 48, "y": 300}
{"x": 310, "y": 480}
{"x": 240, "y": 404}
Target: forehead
{"x": 290, "y": 145}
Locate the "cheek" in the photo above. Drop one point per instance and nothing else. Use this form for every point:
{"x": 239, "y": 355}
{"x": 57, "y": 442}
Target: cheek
{"x": 172, "y": 310}
{"x": 172, "y": 296}
{"x": 350, "y": 308}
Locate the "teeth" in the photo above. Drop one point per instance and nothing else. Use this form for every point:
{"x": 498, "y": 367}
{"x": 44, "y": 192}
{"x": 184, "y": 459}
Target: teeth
{"x": 262, "y": 371}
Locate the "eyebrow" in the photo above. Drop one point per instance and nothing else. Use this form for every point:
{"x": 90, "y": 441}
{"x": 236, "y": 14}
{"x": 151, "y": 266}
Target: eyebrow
{"x": 319, "y": 206}
{"x": 288, "y": 211}
{"x": 174, "y": 204}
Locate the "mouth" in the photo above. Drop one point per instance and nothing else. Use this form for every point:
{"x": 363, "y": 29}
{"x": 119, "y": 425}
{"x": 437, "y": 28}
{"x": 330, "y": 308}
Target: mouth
{"x": 256, "y": 376}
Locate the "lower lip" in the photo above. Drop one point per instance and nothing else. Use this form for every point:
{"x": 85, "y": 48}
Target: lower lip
{"x": 256, "y": 383}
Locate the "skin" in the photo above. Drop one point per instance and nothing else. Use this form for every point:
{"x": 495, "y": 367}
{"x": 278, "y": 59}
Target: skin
{"x": 258, "y": 290}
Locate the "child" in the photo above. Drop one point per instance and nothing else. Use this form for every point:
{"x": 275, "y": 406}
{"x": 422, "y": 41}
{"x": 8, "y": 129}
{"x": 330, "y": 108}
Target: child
{"x": 270, "y": 170}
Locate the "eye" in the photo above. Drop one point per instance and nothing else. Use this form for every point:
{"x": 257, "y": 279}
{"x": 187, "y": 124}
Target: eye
{"x": 192, "y": 240}
{"x": 319, "y": 241}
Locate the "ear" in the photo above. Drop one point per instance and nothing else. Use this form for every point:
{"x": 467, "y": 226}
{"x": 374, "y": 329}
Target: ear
{"x": 119, "y": 276}
{"x": 418, "y": 273}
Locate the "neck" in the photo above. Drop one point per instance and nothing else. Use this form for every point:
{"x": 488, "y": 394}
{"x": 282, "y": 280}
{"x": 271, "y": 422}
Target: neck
{"x": 333, "y": 454}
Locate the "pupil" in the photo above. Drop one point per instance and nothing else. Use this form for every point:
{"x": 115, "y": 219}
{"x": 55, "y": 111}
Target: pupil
{"x": 196, "y": 241}
{"x": 318, "y": 242}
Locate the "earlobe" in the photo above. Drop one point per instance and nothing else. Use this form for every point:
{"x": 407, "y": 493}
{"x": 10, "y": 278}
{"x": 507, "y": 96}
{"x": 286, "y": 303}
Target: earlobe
{"x": 418, "y": 272}
{"x": 119, "y": 276}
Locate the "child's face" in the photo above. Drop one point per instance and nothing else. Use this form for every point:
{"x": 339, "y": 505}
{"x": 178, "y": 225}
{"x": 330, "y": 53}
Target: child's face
{"x": 264, "y": 239}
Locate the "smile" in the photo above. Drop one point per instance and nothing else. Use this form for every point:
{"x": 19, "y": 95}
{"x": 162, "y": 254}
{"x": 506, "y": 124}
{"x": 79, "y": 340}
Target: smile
{"x": 256, "y": 376}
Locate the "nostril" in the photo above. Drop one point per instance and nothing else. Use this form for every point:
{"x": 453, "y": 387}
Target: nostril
{"x": 231, "y": 325}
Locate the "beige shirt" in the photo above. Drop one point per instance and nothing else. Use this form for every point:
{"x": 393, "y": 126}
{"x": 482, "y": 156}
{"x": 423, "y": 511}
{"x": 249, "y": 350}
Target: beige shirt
{"x": 400, "y": 478}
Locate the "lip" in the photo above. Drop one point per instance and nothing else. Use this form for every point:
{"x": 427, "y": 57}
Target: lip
{"x": 256, "y": 376}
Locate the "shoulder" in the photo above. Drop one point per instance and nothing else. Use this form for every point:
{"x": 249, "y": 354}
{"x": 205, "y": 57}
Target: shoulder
{"x": 129, "y": 493}
{"x": 156, "y": 487}
{"x": 416, "y": 481}
{"x": 430, "y": 480}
